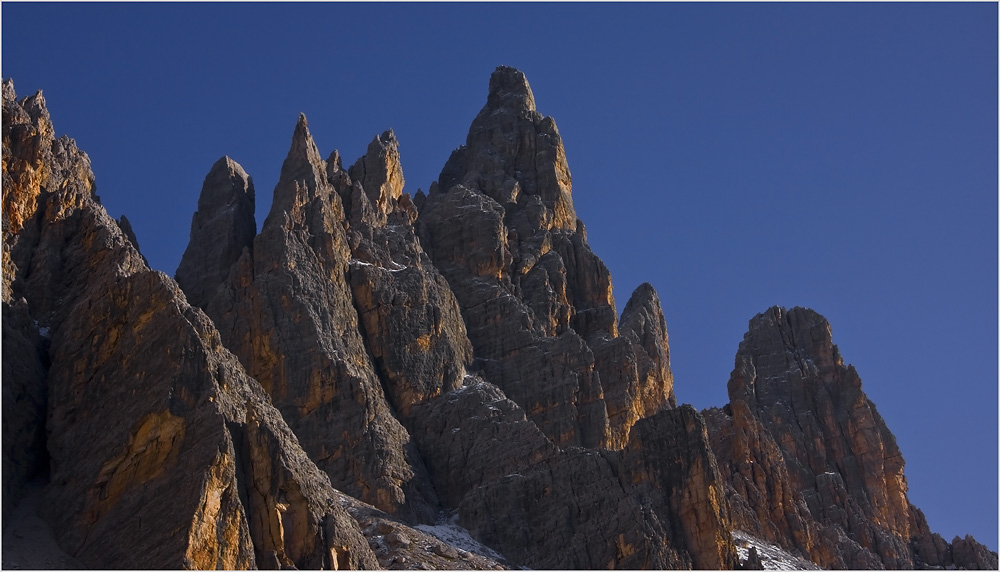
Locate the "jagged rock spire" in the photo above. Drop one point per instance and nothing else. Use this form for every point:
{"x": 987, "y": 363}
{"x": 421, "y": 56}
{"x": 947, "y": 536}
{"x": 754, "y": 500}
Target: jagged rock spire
{"x": 509, "y": 88}
{"x": 287, "y": 311}
{"x": 502, "y": 221}
{"x": 303, "y": 153}
{"x": 379, "y": 171}
{"x": 223, "y": 226}
{"x": 512, "y": 149}
{"x": 809, "y": 459}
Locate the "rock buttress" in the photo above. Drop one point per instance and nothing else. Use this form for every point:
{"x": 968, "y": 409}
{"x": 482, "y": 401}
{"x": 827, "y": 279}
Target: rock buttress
{"x": 286, "y": 310}
{"x": 537, "y": 302}
{"x": 146, "y": 411}
{"x": 809, "y": 462}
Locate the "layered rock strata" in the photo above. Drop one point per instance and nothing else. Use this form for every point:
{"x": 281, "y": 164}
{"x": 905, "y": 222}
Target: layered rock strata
{"x": 809, "y": 462}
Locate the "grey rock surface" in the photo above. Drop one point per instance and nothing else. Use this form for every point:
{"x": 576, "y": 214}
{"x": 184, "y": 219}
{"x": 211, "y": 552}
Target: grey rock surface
{"x": 221, "y": 228}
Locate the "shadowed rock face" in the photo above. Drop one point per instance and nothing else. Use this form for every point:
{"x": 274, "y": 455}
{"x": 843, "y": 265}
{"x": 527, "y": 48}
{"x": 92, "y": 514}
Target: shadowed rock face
{"x": 25, "y": 371}
{"x": 409, "y": 317}
{"x": 221, "y": 229}
{"x": 537, "y": 302}
{"x": 287, "y": 311}
{"x": 809, "y": 462}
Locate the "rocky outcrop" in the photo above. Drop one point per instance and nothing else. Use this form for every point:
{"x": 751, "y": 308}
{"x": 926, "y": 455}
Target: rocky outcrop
{"x": 409, "y": 317}
{"x": 287, "y": 312}
{"x": 222, "y": 227}
{"x": 162, "y": 452}
{"x": 27, "y": 168}
{"x": 635, "y": 367}
{"x": 454, "y": 359}
{"x": 501, "y": 227}
{"x": 35, "y": 163}
{"x": 668, "y": 463}
{"x": 809, "y": 462}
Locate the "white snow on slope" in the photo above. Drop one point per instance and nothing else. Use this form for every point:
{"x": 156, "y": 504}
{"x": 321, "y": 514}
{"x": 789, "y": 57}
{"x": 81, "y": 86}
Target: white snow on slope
{"x": 772, "y": 556}
{"x": 447, "y": 530}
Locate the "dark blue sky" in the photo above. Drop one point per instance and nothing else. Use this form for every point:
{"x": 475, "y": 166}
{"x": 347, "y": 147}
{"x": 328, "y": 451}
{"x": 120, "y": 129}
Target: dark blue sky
{"x": 737, "y": 156}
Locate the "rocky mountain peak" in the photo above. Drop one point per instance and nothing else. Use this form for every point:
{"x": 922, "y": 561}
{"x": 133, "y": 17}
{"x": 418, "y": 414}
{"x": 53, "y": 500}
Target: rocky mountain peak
{"x": 223, "y": 226}
{"x": 781, "y": 343}
{"x": 8, "y": 89}
{"x": 464, "y": 362}
{"x": 509, "y": 89}
{"x": 809, "y": 461}
{"x": 512, "y": 154}
{"x": 303, "y": 156}
{"x": 380, "y": 172}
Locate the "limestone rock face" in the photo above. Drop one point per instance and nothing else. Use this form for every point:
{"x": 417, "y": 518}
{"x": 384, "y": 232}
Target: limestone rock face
{"x": 379, "y": 171}
{"x": 25, "y": 373}
{"x": 809, "y": 461}
{"x": 569, "y": 511}
{"x": 474, "y": 435}
{"x": 409, "y": 317}
{"x": 453, "y": 358}
{"x": 221, "y": 229}
{"x": 34, "y": 160}
{"x": 969, "y": 554}
{"x": 544, "y": 507}
{"x": 151, "y": 424}
{"x": 537, "y": 302}
{"x": 669, "y": 463}
{"x": 635, "y": 367}
{"x": 287, "y": 312}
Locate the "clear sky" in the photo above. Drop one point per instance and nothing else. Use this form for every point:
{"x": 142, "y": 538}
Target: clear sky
{"x": 737, "y": 156}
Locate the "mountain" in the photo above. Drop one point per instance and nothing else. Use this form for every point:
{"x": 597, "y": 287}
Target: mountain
{"x": 375, "y": 380}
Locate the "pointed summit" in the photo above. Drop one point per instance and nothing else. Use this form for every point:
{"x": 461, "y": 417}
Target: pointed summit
{"x": 303, "y": 175}
{"x": 303, "y": 154}
{"x": 221, "y": 228}
{"x": 512, "y": 151}
{"x": 379, "y": 171}
{"x": 509, "y": 88}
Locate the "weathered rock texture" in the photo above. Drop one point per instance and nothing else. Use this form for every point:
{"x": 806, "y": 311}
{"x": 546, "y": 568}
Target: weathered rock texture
{"x": 221, "y": 229}
{"x": 809, "y": 462}
{"x": 501, "y": 227}
{"x": 451, "y": 358}
{"x": 163, "y": 453}
{"x": 287, "y": 311}
{"x": 25, "y": 370}
{"x": 409, "y": 316}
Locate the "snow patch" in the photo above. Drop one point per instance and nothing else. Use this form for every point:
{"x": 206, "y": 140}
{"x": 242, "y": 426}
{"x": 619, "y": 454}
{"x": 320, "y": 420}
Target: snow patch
{"x": 396, "y": 267}
{"x": 448, "y": 531}
{"x": 772, "y": 556}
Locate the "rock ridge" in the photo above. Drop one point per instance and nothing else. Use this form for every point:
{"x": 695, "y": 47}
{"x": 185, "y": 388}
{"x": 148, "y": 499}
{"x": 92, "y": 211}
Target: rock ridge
{"x": 374, "y": 380}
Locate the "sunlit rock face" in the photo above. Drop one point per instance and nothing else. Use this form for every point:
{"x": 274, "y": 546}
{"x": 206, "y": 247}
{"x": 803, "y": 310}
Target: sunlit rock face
{"x": 161, "y": 451}
{"x": 809, "y": 462}
{"x": 286, "y": 309}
